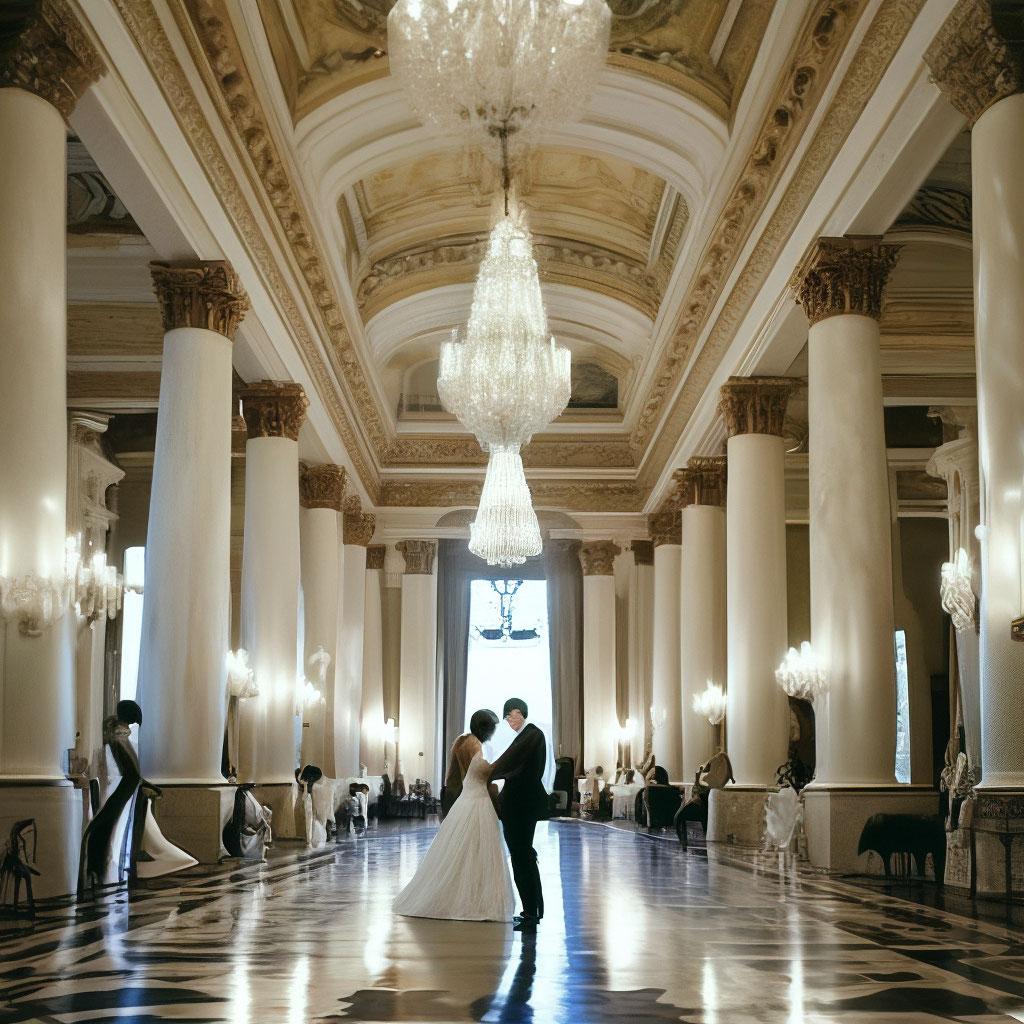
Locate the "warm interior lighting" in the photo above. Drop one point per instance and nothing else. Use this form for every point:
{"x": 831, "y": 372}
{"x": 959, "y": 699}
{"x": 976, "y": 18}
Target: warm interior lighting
{"x": 711, "y": 703}
{"x": 802, "y": 674}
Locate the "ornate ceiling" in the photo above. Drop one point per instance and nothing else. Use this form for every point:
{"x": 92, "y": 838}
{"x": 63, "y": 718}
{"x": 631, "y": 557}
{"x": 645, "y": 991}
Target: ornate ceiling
{"x": 658, "y": 220}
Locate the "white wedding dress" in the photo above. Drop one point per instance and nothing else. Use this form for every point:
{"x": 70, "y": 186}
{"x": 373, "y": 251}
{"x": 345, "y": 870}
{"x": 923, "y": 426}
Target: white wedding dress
{"x": 464, "y": 876}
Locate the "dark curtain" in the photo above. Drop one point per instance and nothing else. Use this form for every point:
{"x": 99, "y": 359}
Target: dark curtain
{"x": 565, "y": 625}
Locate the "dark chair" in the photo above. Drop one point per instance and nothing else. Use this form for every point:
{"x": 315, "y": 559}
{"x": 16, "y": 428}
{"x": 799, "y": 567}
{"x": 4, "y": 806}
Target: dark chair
{"x": 716, "y": 774}
{"x": 564, "y": 789}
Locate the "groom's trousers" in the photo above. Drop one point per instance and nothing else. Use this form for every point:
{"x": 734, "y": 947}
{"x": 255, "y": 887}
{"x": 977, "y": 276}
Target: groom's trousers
{"x": 519, "y": 840}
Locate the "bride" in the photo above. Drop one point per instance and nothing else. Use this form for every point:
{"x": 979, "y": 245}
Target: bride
{"x": 465, "y": 876}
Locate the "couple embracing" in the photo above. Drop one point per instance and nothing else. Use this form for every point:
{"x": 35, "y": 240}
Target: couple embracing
{"x": 464, "y": 876}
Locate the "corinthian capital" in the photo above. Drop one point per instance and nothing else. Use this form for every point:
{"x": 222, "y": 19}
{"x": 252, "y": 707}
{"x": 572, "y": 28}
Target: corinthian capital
{"x": 205, "y": 295}
{"x": 273, "y": 409}
{"x": 597, "y": 557}
{"x": 375, "y": 556}
{"x": 321, "y": 486}
{"x": 358, "y": 527}
{"x": 756, "y": 405}
{"x": 707, "y": 473}
{"x": 845, "y": 275}
{"x": 419, "y": 556}
{"x": 977, "y": 58}
{"x": 665, "y": 527}
{"x": 43, "y": 50}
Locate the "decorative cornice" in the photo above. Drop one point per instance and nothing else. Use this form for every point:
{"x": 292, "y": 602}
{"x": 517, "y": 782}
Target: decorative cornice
{"x": 708, "y": 476}
{"x": 756, "y": 405}
{"x": 845, "y": 275}
{"x": 597, "y": 557}
{"x": 643, "y": 552}
{"x": 666, "y": 527}
{"x": 205, "y": 295}
{"x": 575, "y": 495}
{"x": 977, "y": 58}
{"x": 375, "y": 556}
{"x": 358, "y": 527}
{"x": 418, "y": 555}
{"x": 274, "y": 409}
{"x": 321, "y": 486}
{"x": 43, "y": 50}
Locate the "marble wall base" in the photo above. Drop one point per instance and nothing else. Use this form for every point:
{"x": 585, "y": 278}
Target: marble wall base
{"x": 834, "y": 817}
{"x": 57, "y": 809}
{"x": 998, "y": 834}
{"x": 280, "y": 798}
{"x": 736, "y": 815}
{"x": 193, "y": 818}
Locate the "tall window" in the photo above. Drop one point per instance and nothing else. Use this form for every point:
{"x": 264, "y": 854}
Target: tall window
{"x": 509, "y": 656}
{"x": 131, "y": 621}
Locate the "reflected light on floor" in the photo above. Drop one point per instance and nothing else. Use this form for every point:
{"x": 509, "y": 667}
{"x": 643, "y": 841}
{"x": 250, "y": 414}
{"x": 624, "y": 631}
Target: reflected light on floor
{"x": 297, "y": 992}
{"x": 625, "y": 929}
{"x": 709, "y": 992}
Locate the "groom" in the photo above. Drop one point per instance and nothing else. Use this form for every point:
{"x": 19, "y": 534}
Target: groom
{"x": 523, "y": 801}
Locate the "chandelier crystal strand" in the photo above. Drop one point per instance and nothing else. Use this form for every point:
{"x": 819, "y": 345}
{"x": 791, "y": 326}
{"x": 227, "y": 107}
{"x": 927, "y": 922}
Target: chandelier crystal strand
{"x": 483, "y": 68}
{"x": 505, "y": 531}
{"x": 507, "y": 378}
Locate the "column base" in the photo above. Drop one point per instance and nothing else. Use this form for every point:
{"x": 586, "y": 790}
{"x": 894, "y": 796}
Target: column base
{"x": 56, "y": 808}
{"x": 193, "y": 818}
{"x": 834, "y": 817}
{"x": 998, "y": 843}
{"x": 280, "y": 798}
{"x": 736, "y": 815}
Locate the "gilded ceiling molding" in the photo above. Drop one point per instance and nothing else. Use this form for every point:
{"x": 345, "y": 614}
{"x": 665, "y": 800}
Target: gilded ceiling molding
{"x": 879, "y": 45}
{"x": 418, "y": 555}
{"x": 708, "y": 478}
{"x": 845, "y": 275}
{"x": 273, "y": 409}
{"x": 574, "y": 495}
{"x": 144, "y": 25}
{"x": 756, "y": 405}
{"x": 375, "y": 556}
{"x": 358, "y": 527}
{"x": 643, "y": 552}
{"x": 44, "y": 50}
{"x": 201, "y": 294}
{"x": 665, "y": 527}
{"x": 977, "y": 58}
{"x": 321, "y": 486}
{"x": 597, "y": 557}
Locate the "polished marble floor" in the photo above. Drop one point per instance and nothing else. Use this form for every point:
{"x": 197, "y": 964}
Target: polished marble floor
{"x": 635, "y": 931}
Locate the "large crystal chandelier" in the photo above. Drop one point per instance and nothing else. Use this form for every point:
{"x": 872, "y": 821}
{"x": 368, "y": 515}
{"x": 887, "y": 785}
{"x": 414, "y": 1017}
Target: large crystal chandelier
{"x": 499, "y": 73}
{"x": 505, "y": 531}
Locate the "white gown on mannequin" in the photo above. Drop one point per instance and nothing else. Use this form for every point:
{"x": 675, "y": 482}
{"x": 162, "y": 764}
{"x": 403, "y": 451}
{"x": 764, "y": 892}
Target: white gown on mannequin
{"x": 464, "y": 876}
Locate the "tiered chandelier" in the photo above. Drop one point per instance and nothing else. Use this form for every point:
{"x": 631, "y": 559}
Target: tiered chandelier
{"x": 499, "y": 74}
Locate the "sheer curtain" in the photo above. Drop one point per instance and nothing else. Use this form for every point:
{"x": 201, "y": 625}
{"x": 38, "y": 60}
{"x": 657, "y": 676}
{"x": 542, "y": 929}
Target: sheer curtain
{"x": 565, "y": 622}
{"x": 452, "y": 637}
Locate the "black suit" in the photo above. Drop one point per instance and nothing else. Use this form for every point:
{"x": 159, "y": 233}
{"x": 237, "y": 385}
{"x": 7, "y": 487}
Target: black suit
{"x": 523, "y": 801}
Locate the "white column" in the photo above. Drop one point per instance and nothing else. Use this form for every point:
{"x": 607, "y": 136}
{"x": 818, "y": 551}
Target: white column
{"x": 321, "y": 492}
{"x": 185, "y": 618}
{"x": 37, "y": 710}
{"x": 641, "y": 647}
{"x": 270, "y": 575}
{"x": 702, "y": 606}
{"x": 850, "y": 534}
{"x": 359, "y": 528}
{"x": 757, "y": 718}
{"x": 417, "y": 712}
{"x": 371, "y": 718}
{"x": 666, "y": 701}
{"x": 600, "y": 722}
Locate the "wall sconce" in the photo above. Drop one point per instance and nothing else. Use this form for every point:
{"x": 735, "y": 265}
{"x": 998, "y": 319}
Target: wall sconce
{"x": 802, "y": 673}
{"x": 711, "y": 703}
{"x": 955, "y": 591}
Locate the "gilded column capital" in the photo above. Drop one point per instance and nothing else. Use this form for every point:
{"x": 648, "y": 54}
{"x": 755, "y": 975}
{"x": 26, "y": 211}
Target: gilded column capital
{"x": 375, "y": 556}
{"x": 597, "y": 557}
{"x": 321, "y": 486}
{"x": 273, "y": 408}
{"x": 203, "y": 294}
{"x": 358, "y": 527}
{"x": 977, "y": 57}
{"x": 44, "y": 50}
{"x": 665, "y": 527}
{"x": 643, "y": 552}
{"x": 419, "y": 556}
{"x": 708, "y": 474}
{"x": 755, "y": 405}
{"x": 845, "y": 275}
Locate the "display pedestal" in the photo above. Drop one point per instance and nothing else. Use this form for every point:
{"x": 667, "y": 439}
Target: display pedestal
{"x": 280, "y": 797}
{"x": 193, "y": 818}
{"x": 736, "y": 815}
{"x": 998, "y": 834}
{"x": 56, "y": 807}
{"x": 834, "y": 816}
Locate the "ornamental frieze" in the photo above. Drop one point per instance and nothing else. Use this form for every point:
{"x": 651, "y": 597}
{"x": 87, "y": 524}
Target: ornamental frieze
{"x": 597, "y": 557}
{"x": 204, "y": 294}
{"x": 575, "y": 495}
{"x": 321, "y": 486}
{"x": 273, "y": 409}
{"x": 977, "y": 57}
{"x": 419, "y": 556}
{"x": 43, "y": 50}
{"x": 756, "y": 405}
{"x": 845, "y": 275}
